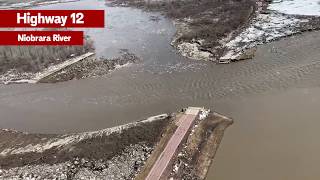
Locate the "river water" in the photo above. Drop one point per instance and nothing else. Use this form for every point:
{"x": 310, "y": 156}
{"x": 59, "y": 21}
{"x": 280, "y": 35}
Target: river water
{"x": 272, "y": 98}
{"x": 274, "y": 136}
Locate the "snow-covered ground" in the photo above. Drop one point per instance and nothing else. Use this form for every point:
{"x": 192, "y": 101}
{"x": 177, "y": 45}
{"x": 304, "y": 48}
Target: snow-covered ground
{"x": 263, "y": 29}
{"x": 298, "y": 7}
{"x": 192, "y": 50}
{"x": 279, "y": 22}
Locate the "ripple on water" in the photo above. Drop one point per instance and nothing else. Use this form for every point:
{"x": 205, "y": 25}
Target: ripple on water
{"x": 162, "y": 82}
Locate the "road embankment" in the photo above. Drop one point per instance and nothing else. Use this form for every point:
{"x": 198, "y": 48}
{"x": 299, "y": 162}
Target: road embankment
{"x": 187, "y": 149}
{"x": 123, "y": 152}
{"x": 113, "y": 153}
{"x": 79, "y": 67}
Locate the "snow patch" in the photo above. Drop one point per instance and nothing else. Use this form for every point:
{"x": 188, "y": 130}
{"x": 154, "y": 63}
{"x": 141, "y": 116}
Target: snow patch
{"x": 297, "y": 7}
{"x": 263, "y": 29}
{"x": 204, "y": 114}
{"x": 192, "y": 50}
{"x": 118, "y": 66}
{"x": 280, "y": 22}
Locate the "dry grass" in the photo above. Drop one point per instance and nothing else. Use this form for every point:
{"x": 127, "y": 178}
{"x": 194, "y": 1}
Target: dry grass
{"x": 35, "y": 58}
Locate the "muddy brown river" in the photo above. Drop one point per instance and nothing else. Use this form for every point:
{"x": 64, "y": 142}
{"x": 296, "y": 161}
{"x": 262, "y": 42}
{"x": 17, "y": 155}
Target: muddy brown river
{"x": 273, "y": 98}
{"x": 275, "y": 136}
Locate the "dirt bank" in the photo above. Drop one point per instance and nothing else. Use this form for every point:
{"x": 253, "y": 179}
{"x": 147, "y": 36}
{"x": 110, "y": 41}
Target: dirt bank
{"x": 197, "y": 154}
{"x": 114, "y": 153}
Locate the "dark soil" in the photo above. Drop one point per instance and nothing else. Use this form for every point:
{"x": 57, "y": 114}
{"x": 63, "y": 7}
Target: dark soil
{"x": 95, "y": 148}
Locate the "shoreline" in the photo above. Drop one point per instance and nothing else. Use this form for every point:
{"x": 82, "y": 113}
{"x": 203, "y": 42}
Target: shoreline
{"x": 121, "y": 152}
{"x": 83, "y": 66}
{"x": 65, "y": 156}
{"x": 205, "y": 42}
{"x": 234, "y": 45}
{"x": 240, "y": 44}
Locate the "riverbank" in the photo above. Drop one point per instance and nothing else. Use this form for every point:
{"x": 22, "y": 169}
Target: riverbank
{"x": 110, "y": 153}
{"x": 229, "y": 30}
{"x": 271, "y": 23}
{"x": 114, "y": 153}
{"x": 80, "y": 67}
{"x": 202, "y": 26}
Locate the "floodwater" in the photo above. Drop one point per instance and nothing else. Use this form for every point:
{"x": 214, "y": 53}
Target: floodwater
{"x": 274, "y": 136}
{"x": 162, "y": 82}
{"x": 272, "y": 98}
